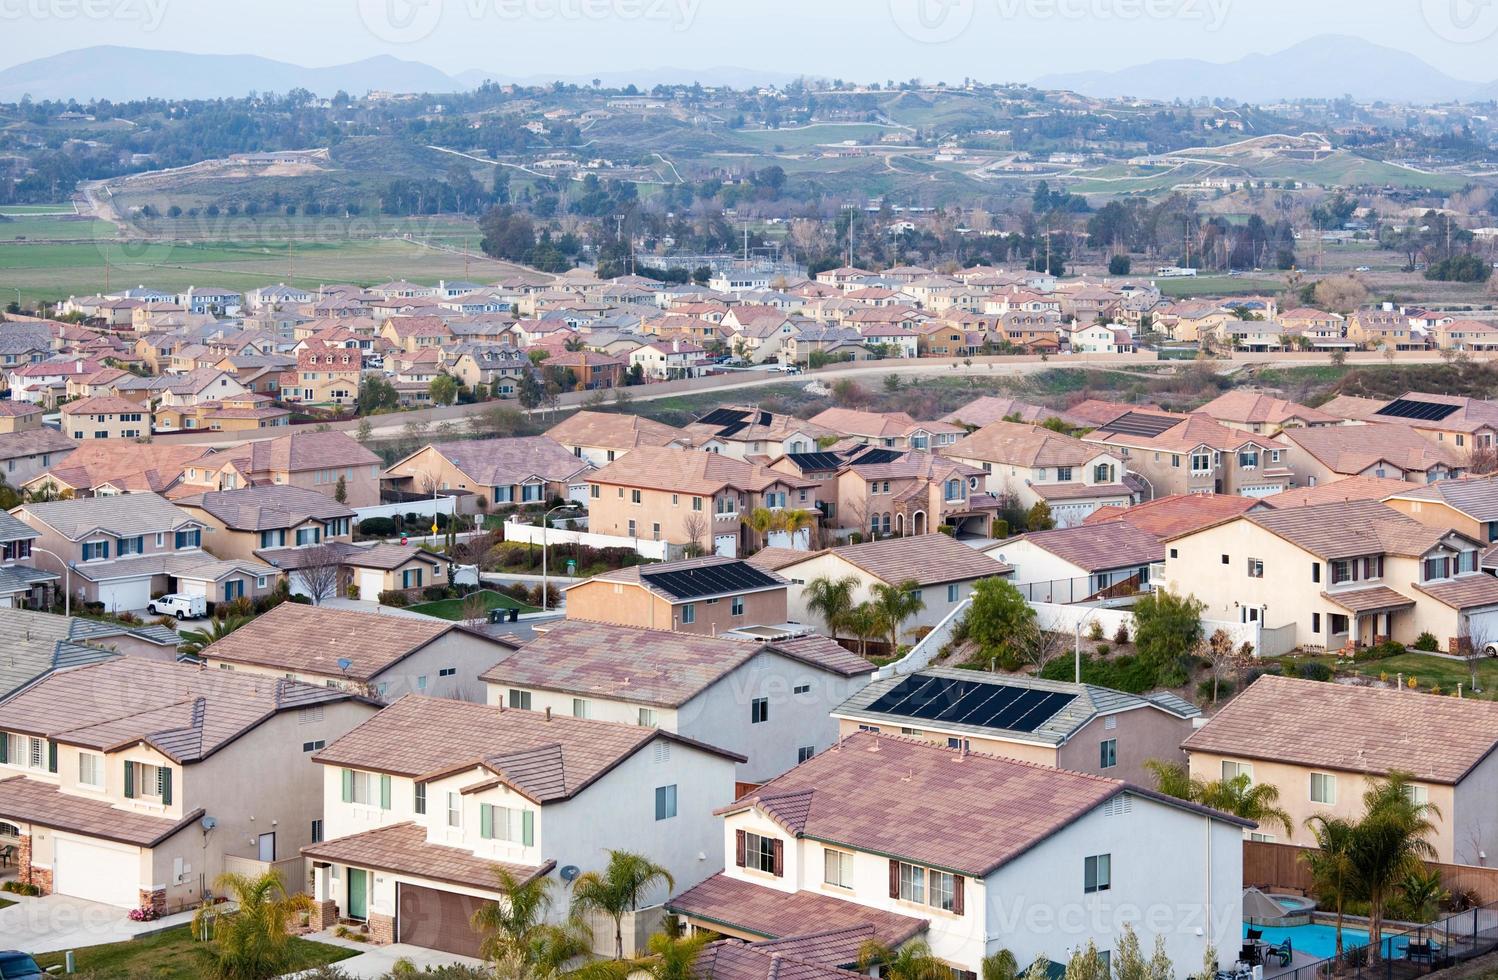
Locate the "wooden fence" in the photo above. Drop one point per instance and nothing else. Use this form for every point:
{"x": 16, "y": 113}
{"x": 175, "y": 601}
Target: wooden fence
{"x": 1278, "y": 867}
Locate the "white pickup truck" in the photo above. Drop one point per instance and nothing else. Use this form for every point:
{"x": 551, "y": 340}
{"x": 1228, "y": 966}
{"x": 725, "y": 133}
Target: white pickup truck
{"x": 180, "y": 605}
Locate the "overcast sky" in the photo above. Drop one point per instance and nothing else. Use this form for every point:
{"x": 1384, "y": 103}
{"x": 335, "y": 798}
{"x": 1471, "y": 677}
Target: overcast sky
{"x": 992, "y": 40}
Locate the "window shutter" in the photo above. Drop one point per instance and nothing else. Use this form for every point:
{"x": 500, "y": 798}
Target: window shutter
{"x": 738, "y": 848}
{"x": 527, "y": 828}
{"x": 486, "y": 822}
{"x": 957, "y": 896}
{"x": 129, "y": 780}
{"x": 894, "y": 878}
{"x": 384, "y": 791}
{"x": 51, "y": 756}
{"x": 4, "y": 747}
{"x": 777, "y": 856}
{"x": 348, "y": 785}
{"x": 166, "y": 786}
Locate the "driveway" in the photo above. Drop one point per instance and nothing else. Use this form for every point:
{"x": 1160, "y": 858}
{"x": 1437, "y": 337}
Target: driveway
{"x": 376, "y": 961}
{"x": 56, "y": 922}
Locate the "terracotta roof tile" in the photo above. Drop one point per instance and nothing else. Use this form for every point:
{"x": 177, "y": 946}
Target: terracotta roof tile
{"x": 402, "y": 848}
{"x": 33, "y": 801}
{"x": 1020, "y": 444}
{"x": 613, "y": 430}
{"x": 773, "y": 914}
{"x": 313, "y": 639}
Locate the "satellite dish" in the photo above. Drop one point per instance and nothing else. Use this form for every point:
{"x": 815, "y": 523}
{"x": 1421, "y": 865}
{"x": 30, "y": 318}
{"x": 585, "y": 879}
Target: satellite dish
{"x": 569, "y": 873}
{"x": 344, "y": 663}
{"x": 208, "y": 822}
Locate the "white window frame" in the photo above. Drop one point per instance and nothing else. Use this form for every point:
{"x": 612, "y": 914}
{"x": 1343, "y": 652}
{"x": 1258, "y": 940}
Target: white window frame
{"x": 1328, "y": 784}
{"x": 837, "y": 868}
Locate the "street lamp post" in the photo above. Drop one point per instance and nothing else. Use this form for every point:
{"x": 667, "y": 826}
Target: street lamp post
{"x": 546, "y": 523}
{"x": 67, "y": 581}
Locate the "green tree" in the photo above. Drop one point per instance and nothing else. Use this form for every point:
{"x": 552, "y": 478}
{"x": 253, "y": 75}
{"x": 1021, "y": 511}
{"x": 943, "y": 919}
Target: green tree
{"x": 1039, "y": 518}
{"x": 794, "y": 521}
{"x": 340, "y": 489}
{"x": 1167, "y": 629}
{"x": 1173, "y": 779}
{"x": 515, "y": 932}
{"x": 1242, "y": 797}
{"x": 912, "y": 961}
{"x": 999, "y": 965}
{"x": 194, "y": 641}
{"x": 376, "y": 394}
{"x": 1388, "y": 843}
{"x": 365, "y": 430}
{"x": 529, "y": 391}
{"x": 862, "y": 622}
{"x": 832, "y": 599}
{"x": 1086, "y": 964}
{"x": 443, "y": 389}
{"x": 893, "y": 604}
{"x": 998, "y": 621}
{"x": 1330, "y": 864}
{"x": 254, "y": 943}
{"x": 618, "y": 889}
{"x": 762, "y": 520}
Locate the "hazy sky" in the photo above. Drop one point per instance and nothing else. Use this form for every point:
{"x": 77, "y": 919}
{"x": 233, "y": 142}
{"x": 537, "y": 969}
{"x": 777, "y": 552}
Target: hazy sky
{"x": 993, "y": 40}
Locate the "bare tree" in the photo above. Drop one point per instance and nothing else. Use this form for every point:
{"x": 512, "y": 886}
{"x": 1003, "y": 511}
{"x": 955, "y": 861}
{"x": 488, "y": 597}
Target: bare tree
{"x": 320, "y": 573}
{"x": 695, "y": 524}
{"x": 1222, "y": 656}
{"x": 473, "y": 608}
{"x": 1475, "y": 646}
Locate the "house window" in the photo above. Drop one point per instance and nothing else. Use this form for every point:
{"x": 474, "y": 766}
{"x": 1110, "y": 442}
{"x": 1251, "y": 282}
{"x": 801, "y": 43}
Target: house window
{"x": 454, "y": 809}
{"x": 1255, "y": 568}
{"x": 308, "y": 535}
{"x": 411, "y": 578}
{"x": 804, "y": 753}
{"x": 520, "y": 699}
{"x": 507, "y": 824}
{"x": 689, "y": 613}
{"x": 420, "y": 802}
{"x": 317, "y": 831}
{"x": 189, "y": 539}
{"x": 1316, "y": 624}
{"x": 1323, "y": 788}
{"x": 1416, "y": 795}
{"x": 697, "y": 503}
{"x": 581, "y": 707}
{"x": 1248, "y": 459}
{"x": 801, "y": 689}
{"x": 912, "y": 883}
{"x": 738, "y": 605}
{"x": 1108, "y": 753}
{"x": 1102, "y": 473}
{"x": 593, "y": 491}
{"x": 646, "y": 718}
{"x": 1315, "y": 571}
{"x": 91, "y": 770}
{"x": 960, "y": 744}
{"x": 759, "y": 853}
{"x": 943, "y": 891}
{"x": 447, "y": 672}
{"x": 952, "y": 593}
{"x": 316, "y": 745}
{"x": 1201, "y": 462}
{"x": 132, "y": 546}
{"x": 665, "y": 802}
{"x": 634, "y": 496}
{"x": 1097, "y": 873}
{"x": 1232, "y": 770}
{"x": 837, "y": 868}
{"x": 759, "y": 710}
{"x": 95, "y": 550}
{"x": 1063, "y": 474}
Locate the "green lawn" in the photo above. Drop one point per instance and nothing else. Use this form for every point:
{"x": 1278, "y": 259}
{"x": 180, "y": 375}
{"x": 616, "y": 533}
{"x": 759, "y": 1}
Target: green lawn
{"x": 452, "y": 609}
{"x": 5, "y": 903}
{"x": 1435, "y": 671}
{"x": 174, "y": 955}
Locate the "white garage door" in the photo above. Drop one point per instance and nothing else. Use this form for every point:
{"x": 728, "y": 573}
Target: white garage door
{"x": 726, "y": 545}
{"x": 371, "y": 583}
{"x": 125, "y": 595}
{"x": 96, "y": 871}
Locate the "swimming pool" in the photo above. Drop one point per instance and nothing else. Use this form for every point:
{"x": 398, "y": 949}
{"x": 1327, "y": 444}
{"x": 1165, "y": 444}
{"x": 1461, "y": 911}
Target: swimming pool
{"x": 1320, "y": 941}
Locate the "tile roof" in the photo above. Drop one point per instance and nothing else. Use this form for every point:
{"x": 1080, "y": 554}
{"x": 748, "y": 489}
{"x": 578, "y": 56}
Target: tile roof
{"x": 991, "y": 408}
{"x": 267, "y": 507}
{"x": 696, "y": 578}
{"x": 502, "y": 462}
{"x": 1176, "y": 514}
{"x": 1376, "y": 599}
{"x": 729, "y": 959}
{"x": 1352, "y": 728}
{"x": 39, "y": 642}
{"x": 388, "y": 556}
{"x": 298, "y": 637}
{"x": 403, "y": 848}
{"x": 613, "y": 430}
{"x": 1020, "y": 444}
{"x": 876, "y": 425}
{"x": 691, "y": 471}
{"x": 32, "y": 801}
{"x": 1350, "y": 449}
{"x": 1477, "y": 497}
{"x": 104, "y": 405}
{"x": 969, "y": 813}
{"x": 1095, "y": 547}
{"x": 774, "y": 914}
{"x": 184, "y": 710}
{"x": 929, "y": 559}
{"x": 771, "y": 559}
{"x": 1464, "y": 591}
{"x": 298, "y": 452}
{"x": 1346, "y": 489}
{"x": 35, "y": 442}
{"x": 544, "y": 757}
{"x": 1350, "y": 529}
{"x": 1244, "y": 406}
{"x": 747, "y": 423}
{"x": 653, "y": 667}
{"x": 122, "y": 514}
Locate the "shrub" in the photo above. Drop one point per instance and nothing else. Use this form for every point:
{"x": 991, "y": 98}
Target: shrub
{"x": 1204, "y": 689}
{"x": 394, "y": 597}
{"x": 378, "y": 527}
{"x": 146, "y": 913}
{"x": 1121, "y": 636}
{"x": 1095, "y": 631}
{"x": 435, "y": 593}
{"x": 21, "y": 888}
{"x": 1428, "y": 643}
{"x": 1314, "y": 670}
{"x": 1103, "y": 649}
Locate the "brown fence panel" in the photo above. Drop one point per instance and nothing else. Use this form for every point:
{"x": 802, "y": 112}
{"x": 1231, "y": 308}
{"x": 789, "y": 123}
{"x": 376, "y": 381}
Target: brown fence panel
{"x": 1278, "y": 867}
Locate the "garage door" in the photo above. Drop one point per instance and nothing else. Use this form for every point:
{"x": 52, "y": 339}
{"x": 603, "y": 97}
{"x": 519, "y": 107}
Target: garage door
{"x": 125, "y": 595}
{"x": 436, "y": 919}
{"x": 371, "y": 583}
{"x": 96, "y": 871}
{"x": 726, "y": 545}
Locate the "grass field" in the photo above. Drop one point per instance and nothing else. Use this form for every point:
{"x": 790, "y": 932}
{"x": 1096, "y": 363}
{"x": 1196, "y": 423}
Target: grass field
{"x": 807, "y": 137}
{"x": 1217, "y": 286}
{"x": 175, "y": 955}
{"x": 452, "y": 609}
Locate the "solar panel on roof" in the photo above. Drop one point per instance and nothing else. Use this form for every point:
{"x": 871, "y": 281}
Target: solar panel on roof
{"x": 810, "y": 462}
{"x": 722, "y": 416}
{"x": 1140, "y": 424}
{"x": 878, "y": 456}
{"x": 1410, "y": 408}
{"x": 689, "y": 583}
{"x": 977, "y": 703}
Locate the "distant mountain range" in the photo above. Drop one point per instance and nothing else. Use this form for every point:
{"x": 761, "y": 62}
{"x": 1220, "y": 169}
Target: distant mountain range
{"x": 1325, "y": 67}
{"x": 122, "y": 74}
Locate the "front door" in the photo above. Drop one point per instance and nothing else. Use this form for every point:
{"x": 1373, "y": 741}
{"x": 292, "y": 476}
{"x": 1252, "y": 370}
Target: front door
{"x": 358, "y": 894}
{"x": 267, "y": 849}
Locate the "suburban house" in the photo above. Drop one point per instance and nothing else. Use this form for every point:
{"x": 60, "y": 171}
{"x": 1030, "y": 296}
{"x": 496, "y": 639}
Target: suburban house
{"x": 1339, "y": 575}
{"x": 26, "y": 453}
{"x": 121, "y": 550}
{"x": 103, "y": 468}
{"x": 742, "y": 431}
{"x": 22, "y": 584}
{"x": 241, "y": 523}
{"x": 504, "y": 472}
{"x": 1320, "y": 744}
{"x": 381, "y": 656}
{"x": 944, "y": 572}
{"x": 988, "y": 409}
{"x": 424, "y": 800}
{"x": 1089, "y": 562}
{"x": 687, "y": 496}
{"x": 233, "y": 413}
{"x": 1254, "y": 411}
{"x": 321, "y": 461}
{"x": 666, "y": 361}
{"x": 1459, "y": 421}
{"x": 897, "y": 839}
{"x": 105, "y": 417}
{"x": 1395, "y": 452}
{"x": 891, "y": 430}
{"x": 764, "y": 699}
{"x": 1469, "y": 505}
{"x": 153, "y": 782}
{"x": 40, "y": 643}
{"x": 1034, "y": 464}
{"x": 711, "y": 594}
{"x": 1079, "y": 727}
{"x": 602, "y": 437}
{"x": 912, "y": 493}
{"x": 1194, "y": 453}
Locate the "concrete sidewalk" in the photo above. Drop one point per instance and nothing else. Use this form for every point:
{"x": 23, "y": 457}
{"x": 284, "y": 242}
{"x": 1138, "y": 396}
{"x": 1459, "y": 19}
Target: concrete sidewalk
{"x": 376, "y": 961}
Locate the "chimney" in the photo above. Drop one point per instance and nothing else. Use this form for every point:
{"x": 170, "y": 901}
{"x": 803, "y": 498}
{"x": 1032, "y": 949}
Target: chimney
{"x": 675, "y": 345}
{"x": 548, "y": 712}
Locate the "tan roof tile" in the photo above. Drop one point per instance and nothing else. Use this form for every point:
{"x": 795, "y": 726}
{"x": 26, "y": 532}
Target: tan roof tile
{"x": 313, "y": 639}
{"x": 1020, "y": 444}
{"x": 773, "y": 914}
{"x": 402, "y": 848}
{"x": 613, "y": 430}
{"x": 33, "y": 801}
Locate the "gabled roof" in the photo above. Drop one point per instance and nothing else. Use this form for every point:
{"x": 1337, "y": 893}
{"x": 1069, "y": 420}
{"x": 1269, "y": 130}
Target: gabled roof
{"x": 689, "y": 579}
{"x": 501, "y": 462}
{"x": 1245, "y": 406}
{"x": 1350, "y": 529}
{"x": 1019, "y": 444}
{"x": 691, "y": 471}
{"x": 1477, "y": 497}
{"x": 990, "y": 408}
{"x": 545, "y": 758}
{"x": 299, "y": 452}
{"x": 1349, "y": 488}
{"x": 613, "y": 430}
{"x": 270, "y": 507}
{"x": 927, "y": 559}
{"x": 1095, "y": 547}
{"x": 1350, "y": 449}
{"x": 1176, "y": 514}
{"x": 122, "y": 515}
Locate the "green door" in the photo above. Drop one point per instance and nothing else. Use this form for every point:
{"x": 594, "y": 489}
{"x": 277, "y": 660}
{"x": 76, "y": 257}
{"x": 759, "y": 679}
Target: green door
{"x": 358, "y": 894}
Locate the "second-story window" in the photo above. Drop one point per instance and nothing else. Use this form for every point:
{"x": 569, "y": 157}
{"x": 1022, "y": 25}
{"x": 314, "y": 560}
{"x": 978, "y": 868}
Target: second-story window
{"x": 1063, "y": 474}
{"x": 837, "y": 868}
{"x": 759, "y": 711}
{"x": 1255, "y": 568}
{"x": 1097, "y": 873}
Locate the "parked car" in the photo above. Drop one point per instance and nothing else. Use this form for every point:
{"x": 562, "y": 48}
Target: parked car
{"x": 790, "y": 368}
{"x": 16, "y": 965}
{"x": 180, "y": 605}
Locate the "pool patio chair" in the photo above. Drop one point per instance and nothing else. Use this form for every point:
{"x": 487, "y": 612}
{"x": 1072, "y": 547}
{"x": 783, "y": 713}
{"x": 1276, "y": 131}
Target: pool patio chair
{"x": 1421, "y": 952}
{"x": 1254, "y": 935}
{"x": 1284, "y": 952}
{"x": 1250, "y": 954}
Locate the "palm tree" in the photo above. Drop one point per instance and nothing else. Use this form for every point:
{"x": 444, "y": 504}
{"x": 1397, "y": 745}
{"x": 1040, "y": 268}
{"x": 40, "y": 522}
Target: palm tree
{"x": 762, "y": 520}
{"x": 894, "y": 604}
{"x": 999, "y": 965}
{"x": 912, "y": 961}
{"x": 1242, "y": 797}
{"x": 1174, "y": 779}
{"x": 832, "y": 599}
{"x": 515, "y": 930}
{"x": 793, "y": 522}
{"x": 194, "y": 641}
{"x": 863, "y": 622}
{"x": 1387, "y": 844}
{"x": 253, "y": 943}
{"x": 1330, "y": 863}
{"x": 618, "y": 890}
